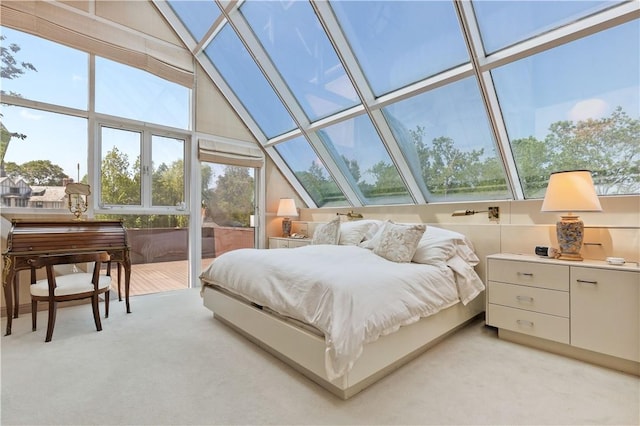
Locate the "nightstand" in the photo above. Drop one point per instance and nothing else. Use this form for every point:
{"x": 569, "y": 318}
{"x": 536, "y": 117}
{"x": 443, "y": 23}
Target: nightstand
{"x": 281, "y": 242}
{"x": 588, "y": 310}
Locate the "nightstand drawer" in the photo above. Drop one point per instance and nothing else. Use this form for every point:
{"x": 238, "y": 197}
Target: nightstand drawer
{"x": 555, "y": 277}
{"x": 535, "y": 299}
{"x": 545, "y": 326}
{"x": 280, "y": 242}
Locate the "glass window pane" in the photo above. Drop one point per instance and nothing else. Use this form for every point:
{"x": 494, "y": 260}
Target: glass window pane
{"x": 120, "y": 168}
{"x": 54, "y": 148}
{"x": 128, "y": 92}
{"x": 228, "y": 205}
{"x": 168, "y": 171}
{"x": 316, "y": 77}
{"x": 359, "y": 152}
{"x": 311, "y": 172}
{"x": 228, "y": 194}
{"x": 59, "y": 75}
{"x": 576, "y": 107}
{"x": 237, "y": 67}
{"x": 400, "y": 42}
{"x": 447, "y": 140}
{"x": 196, "y": 15}
{"x": 504, "y": 23}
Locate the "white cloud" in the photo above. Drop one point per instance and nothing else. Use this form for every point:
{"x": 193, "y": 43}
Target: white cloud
{"x": 591, "y": 108}
{"x": 28, "y": 115}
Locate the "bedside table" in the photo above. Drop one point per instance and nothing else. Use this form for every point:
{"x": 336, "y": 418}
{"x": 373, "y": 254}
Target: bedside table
{"x": 281, "y": 242}
{"x": 588, "y": 310}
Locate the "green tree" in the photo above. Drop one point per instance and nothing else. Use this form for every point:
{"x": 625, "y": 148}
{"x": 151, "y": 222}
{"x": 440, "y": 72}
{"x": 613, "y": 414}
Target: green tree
{"x": 532, "y": 161}
{"x": 206, "y": 173}
{"x": 119, "y": 185}
{"x": 233, "y": 197}
{"x": 387, "y": 178}
{"x": 353, "y": 167}
{"x": 608, "y": 147}
{"x": 11, "y": 69}
{"x": 446, "y": 168}
{"x": 168, "y": 184}
{"x": 40, "y": 172}
{"x": 315, "y": 182}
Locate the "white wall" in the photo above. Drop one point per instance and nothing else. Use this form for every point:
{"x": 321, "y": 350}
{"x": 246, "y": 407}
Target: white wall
{"x": 613, "y": 232}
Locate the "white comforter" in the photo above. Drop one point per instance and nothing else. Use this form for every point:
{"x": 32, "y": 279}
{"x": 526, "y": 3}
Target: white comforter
{"x": 349, "y": 293}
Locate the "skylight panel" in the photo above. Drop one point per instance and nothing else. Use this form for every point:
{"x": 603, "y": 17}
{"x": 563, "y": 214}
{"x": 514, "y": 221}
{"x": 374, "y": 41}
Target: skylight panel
{"x": 229, "y": 56}
{"x": 196, "y": 15}
{"x": 359, "y": 152}
{"x": 298, "y": 46}
{"x": 504, "y": 23}
{"x": 446, "y": 137}
{"x": 401, "y": 42}
{"x": 576, "y": 107}
{"x": 311, "y": 173}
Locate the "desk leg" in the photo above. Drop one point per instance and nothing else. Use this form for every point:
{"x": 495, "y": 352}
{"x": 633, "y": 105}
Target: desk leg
{"x": 7, "y": 285}
{"x": 127, "y": 281}
{"x": 16, "y": 295}
{"x": 119, "y": 280}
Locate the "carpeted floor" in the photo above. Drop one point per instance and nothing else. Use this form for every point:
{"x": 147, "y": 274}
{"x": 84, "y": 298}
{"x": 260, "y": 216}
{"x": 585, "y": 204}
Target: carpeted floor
{"x": 170, "y": 362}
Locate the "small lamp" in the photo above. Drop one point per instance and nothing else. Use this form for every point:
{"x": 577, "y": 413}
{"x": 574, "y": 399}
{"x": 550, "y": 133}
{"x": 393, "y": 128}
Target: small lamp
{"x": 77, "y": 198}
{"x": 570, "y": 191}
{"x": 287, "y": 208}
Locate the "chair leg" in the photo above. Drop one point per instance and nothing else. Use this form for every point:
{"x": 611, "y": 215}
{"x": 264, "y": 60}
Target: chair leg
{"x": 34, "y": 314}
{"x": 96, "y": 312}
{"x": 52, "y": 320}
{"x": 106, "y": 304}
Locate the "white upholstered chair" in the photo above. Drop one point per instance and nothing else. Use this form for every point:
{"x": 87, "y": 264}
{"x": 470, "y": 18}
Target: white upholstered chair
{"x": 74, "y": 286}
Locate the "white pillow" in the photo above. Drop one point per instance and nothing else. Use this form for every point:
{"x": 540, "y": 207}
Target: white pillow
{"x": 327, "y": 233}
{"x": 353, "y": 233}
{"x": 372, "y": 238}
{"x": 439, "y": 245}
{"x": 398, "y": 243}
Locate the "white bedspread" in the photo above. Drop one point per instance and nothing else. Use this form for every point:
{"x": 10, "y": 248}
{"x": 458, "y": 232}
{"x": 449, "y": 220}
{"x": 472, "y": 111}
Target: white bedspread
{"x": 349, "y": 293}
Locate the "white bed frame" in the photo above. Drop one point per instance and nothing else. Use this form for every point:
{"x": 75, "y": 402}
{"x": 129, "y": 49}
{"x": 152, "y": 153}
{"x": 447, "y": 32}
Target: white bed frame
{"x": 304, "y": 350}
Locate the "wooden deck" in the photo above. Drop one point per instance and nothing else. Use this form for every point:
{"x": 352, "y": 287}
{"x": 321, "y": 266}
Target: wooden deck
{"x": 160, "y": 276}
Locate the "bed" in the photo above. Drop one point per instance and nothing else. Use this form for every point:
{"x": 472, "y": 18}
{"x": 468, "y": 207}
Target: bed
{"x": 364, "y": 298}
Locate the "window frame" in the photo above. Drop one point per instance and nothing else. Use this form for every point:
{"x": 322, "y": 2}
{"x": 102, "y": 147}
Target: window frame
{"x": 146, "y": 185}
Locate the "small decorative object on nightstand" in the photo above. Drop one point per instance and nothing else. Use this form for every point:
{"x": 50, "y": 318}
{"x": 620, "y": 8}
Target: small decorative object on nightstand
{"x": 287, "y": 208}
{"x": 570, "y": 191}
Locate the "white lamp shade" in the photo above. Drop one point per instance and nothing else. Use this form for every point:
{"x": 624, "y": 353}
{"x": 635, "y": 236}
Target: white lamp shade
{"x": 287, "y": 208}
{"x": 571, "y": 191}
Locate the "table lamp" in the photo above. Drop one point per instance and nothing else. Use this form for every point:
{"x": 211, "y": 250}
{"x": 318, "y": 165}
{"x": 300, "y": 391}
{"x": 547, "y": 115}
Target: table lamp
{"x": 570, "y": 191}
{"x": 287, "y": 208}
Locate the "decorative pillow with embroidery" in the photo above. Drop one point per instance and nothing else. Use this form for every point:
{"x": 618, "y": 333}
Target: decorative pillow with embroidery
{"x": 353, "y": 233}
{"x": 327, "y": 233}
{"x": 398, "y": 243}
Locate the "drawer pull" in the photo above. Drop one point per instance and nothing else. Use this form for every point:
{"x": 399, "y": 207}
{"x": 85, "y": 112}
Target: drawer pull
{"x": 526, "y": 274}
{"x": 524, "y": 322}
{"x": 587, "y": 282}
{"x": 527, "y": 299}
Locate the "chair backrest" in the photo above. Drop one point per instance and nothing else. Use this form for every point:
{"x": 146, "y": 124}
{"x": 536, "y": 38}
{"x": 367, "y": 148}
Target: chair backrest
{"x": 49, "y": 261}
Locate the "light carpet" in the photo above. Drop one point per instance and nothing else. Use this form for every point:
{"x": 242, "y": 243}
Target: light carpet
{"x": 170, "y": 362}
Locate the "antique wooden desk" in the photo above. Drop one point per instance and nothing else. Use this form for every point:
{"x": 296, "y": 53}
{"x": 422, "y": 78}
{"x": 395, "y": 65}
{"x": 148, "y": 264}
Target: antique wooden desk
{"x": 32, "y": 238}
